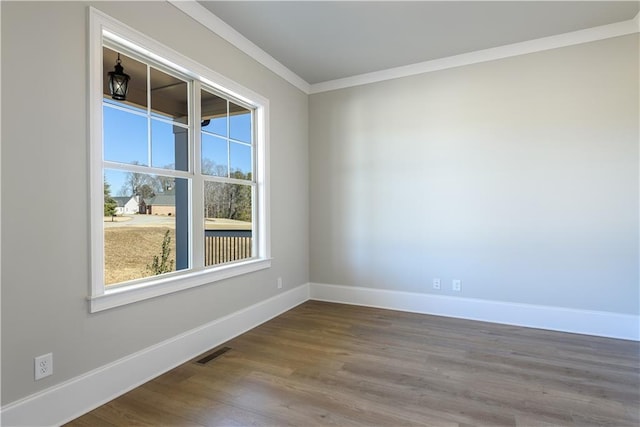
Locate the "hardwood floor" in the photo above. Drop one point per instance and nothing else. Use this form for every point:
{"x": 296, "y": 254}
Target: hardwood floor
{"x": 333, "y": 364}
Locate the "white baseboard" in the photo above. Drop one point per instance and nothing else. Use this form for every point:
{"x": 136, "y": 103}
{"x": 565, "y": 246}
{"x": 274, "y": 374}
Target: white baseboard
{"x": 70, "y": 399}
{"x": 598, "y": 323}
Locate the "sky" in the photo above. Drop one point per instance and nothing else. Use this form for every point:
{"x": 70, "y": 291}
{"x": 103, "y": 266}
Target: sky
{"x": 126, "y": 140}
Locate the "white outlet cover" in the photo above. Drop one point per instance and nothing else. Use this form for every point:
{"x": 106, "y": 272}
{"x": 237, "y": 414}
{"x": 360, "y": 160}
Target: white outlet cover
{"x": 457, "y": 285}
{"x": 43, "y": 366}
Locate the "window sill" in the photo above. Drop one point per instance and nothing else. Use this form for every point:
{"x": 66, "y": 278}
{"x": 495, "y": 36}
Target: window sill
{"x": 123, "y": 295}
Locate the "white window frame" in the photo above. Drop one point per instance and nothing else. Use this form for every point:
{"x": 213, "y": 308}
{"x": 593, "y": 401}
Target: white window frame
{"x": 101, "y": 297}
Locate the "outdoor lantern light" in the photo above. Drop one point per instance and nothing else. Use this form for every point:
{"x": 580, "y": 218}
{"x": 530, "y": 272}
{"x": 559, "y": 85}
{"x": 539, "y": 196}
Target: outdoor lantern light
{"x": 118, "y": 82}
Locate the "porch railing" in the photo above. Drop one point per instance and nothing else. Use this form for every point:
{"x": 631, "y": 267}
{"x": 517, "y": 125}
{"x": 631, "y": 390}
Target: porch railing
{"x": 222, "y": 246}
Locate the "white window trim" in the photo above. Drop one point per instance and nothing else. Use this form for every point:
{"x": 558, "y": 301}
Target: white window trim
{"x": 101, "y": 298}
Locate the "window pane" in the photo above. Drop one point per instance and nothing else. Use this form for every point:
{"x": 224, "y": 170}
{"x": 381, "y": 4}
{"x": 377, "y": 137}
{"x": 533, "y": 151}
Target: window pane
{"x": 169, "y": 97}
{"x": 214, "y": 155}
{"x": 169, "y": 146}
{"x": 214, "y": 113}
{"x": 137, "y": 71}
{"x": 239, "y": 123}
{"x": 143, "y": 232}
{"x": 228, "y": 226}
{"x": 217, "y": 126}
{"x": 125, "y": 136}
{"x": 240, "y": 160}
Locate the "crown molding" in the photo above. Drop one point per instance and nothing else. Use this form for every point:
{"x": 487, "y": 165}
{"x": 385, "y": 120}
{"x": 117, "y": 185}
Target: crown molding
{"x": 202, "y": 15}
{"x": 537, "y": 45}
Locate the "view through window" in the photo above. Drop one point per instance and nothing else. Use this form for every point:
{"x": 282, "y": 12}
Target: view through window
{"x": 179, "y": 192}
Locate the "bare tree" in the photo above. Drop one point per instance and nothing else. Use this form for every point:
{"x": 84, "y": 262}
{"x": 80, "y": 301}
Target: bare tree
{"x": 224, "y": 200}
{"x": 139, "y": 183}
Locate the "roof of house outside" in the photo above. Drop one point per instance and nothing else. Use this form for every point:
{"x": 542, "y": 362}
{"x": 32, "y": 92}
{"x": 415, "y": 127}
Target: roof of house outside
{"x": 122, "y": 200}
{"x": 161, "y": 200}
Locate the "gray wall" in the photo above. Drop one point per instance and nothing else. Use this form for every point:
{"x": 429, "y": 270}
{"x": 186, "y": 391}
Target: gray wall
{"x": 45, "y": 217}
{"x": 518, "y": 176}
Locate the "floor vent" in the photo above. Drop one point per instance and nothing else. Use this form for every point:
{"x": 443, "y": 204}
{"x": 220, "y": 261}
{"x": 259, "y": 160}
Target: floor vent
{"x": 208, "y": 358}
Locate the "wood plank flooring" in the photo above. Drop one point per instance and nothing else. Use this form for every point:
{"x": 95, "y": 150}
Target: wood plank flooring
{"x": 342, "y": 365}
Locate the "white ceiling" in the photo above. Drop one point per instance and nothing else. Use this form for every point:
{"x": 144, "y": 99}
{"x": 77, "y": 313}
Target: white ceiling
{"x": 326, "y": 40}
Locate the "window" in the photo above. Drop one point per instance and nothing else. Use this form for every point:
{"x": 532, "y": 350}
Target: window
{"x": 186, "y": 152}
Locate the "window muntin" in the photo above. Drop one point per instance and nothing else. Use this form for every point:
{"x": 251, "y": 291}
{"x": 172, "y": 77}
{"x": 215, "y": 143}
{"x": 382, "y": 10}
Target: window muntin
{"x": 106, "y": 160}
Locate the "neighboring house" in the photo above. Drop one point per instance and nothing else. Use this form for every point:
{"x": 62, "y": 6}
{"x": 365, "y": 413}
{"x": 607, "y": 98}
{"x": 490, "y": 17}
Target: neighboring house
{"x": 161, "y": 204}
{"x": 126, "y": 205}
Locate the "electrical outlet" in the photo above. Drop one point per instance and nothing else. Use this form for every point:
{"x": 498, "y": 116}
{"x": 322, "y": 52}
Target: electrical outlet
{"x": 436, "y": 283}
{"x": 43, "y": 366}
{"x": 279, "y": 282}
{"x": 457, "y": 285}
